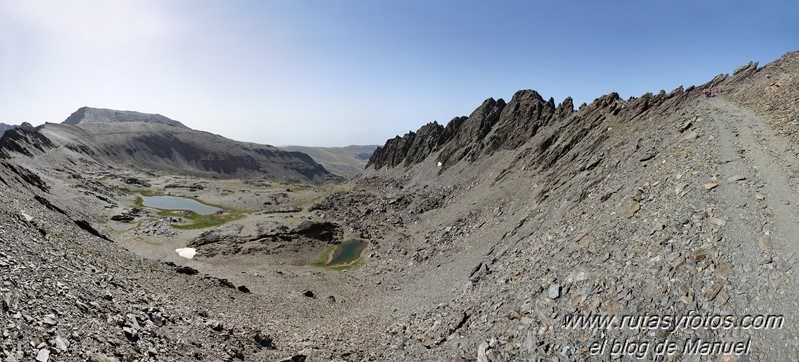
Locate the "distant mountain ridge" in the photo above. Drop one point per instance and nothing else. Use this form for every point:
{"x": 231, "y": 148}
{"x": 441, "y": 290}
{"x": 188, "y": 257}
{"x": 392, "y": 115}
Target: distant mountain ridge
{"x": 155, "y": 143}
{"x": 5, "y": 127}
{"x": 100, "y": 115}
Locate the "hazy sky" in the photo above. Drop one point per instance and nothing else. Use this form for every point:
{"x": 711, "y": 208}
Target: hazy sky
{"x": 336, "y": 72}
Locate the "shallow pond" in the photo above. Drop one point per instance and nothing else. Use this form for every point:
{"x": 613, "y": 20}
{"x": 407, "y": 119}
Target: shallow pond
{"x": 178, "y": 203}
{"x": 346, "y": 252}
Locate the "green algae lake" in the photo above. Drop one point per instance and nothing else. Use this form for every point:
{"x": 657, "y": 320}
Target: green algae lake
{"x": 343, "y": 256}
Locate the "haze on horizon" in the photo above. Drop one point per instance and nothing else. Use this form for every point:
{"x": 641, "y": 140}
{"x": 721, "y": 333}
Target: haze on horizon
{"x": 334, "y": 73}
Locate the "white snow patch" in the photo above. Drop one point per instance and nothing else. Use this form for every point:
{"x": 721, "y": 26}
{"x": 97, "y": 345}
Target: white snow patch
{"x": 26, "y": 216}
{"x": 187, "y": 253}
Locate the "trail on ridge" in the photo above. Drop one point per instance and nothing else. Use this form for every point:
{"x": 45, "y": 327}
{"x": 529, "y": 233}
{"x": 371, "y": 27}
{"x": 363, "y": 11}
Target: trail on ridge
{"x": 750, "y": 149}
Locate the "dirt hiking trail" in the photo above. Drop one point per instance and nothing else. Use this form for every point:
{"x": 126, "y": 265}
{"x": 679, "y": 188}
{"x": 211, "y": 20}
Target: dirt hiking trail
{"x": 758, "y": 181}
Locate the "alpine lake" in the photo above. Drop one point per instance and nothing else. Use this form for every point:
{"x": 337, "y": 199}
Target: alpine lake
{"x": 199, "y": 215}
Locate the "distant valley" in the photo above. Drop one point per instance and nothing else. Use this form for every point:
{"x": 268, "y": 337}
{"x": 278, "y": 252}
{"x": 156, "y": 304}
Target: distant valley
{"x": 346, "y": 161}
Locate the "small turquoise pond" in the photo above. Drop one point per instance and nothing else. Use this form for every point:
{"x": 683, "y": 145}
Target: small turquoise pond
{"x": 346, "y": 252}
{"x": 178, "y": 203}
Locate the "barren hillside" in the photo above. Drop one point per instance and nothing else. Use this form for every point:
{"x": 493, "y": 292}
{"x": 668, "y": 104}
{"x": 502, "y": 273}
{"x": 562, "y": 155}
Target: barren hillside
{"x": 154, "y": 143}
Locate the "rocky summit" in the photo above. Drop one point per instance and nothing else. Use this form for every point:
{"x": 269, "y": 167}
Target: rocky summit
{"x": 659, "y": 227}
{"x": 86, "y": 115}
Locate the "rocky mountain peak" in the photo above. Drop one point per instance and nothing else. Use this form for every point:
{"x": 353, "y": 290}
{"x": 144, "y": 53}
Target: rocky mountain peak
{"x": 459, "y": 139}
{"x": 100, "y": 115}
{"x": 493, "y": 126}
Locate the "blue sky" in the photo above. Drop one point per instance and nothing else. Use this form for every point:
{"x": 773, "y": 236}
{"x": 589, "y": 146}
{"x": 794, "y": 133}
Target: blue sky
{"x": 335, "y": 72}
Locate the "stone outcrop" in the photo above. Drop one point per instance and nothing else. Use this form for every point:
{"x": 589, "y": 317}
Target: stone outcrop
{"x": 520, "y": 120}
{"x": 745, "y": 70}
{"x": 466, "y": 141}
{"x": 319, "y": 230}
{"x": 233, "y": 239}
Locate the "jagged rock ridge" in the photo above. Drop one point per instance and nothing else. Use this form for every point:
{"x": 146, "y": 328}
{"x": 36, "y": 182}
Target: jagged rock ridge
{"x": 20, "y": 140}
{"x": 496, "y": 126}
